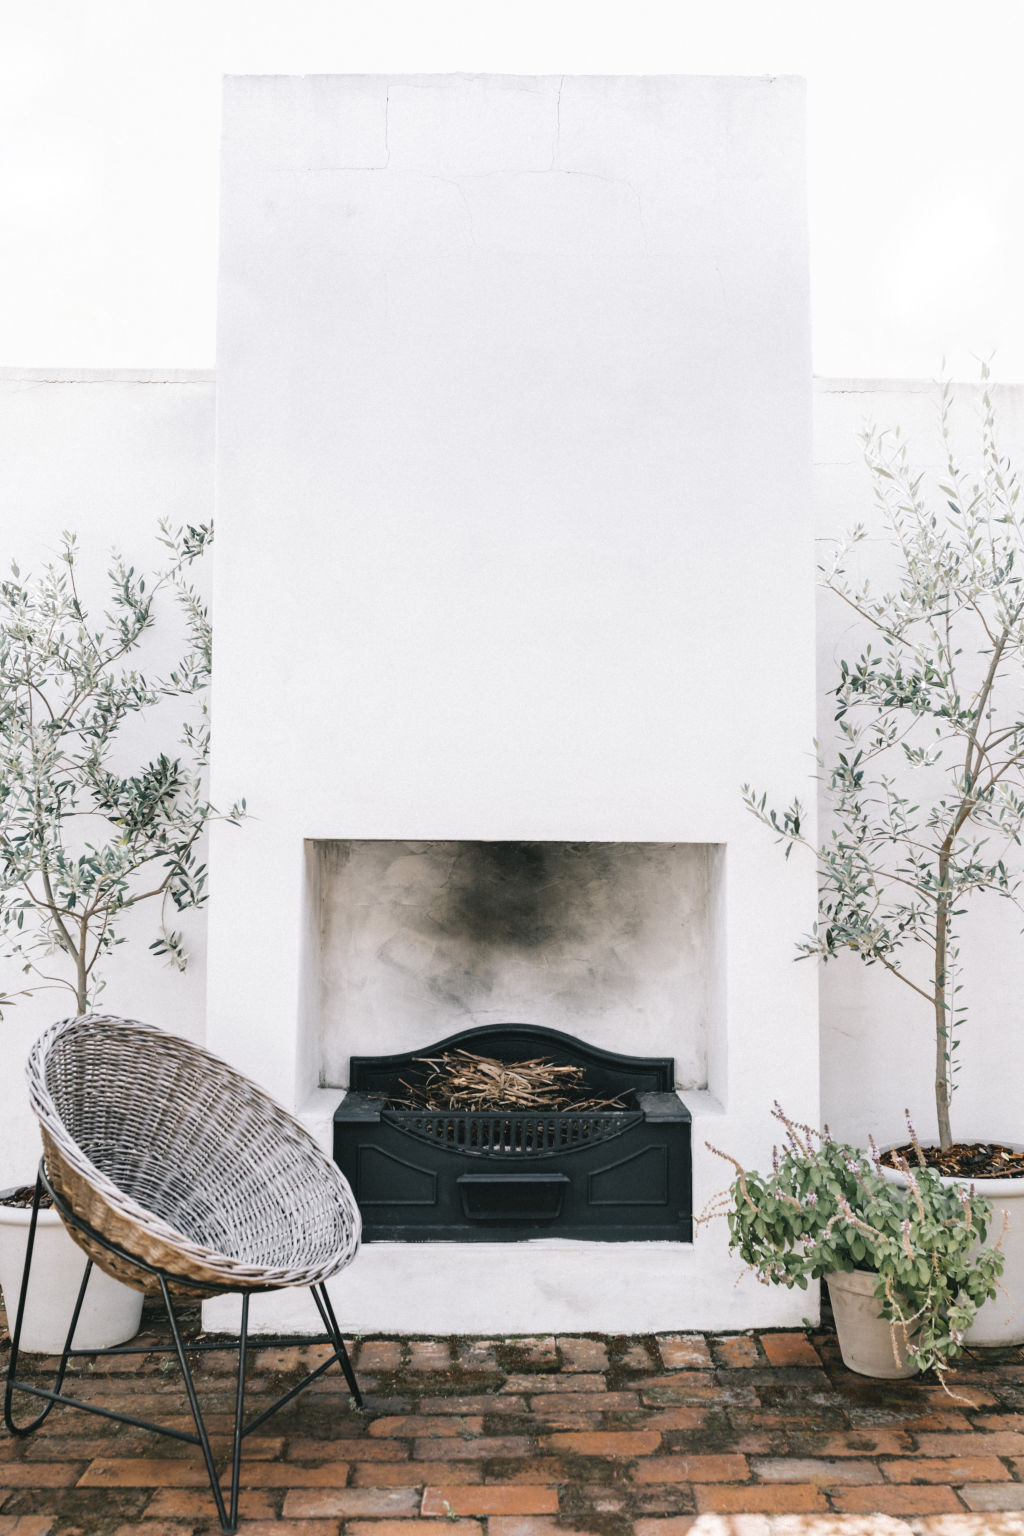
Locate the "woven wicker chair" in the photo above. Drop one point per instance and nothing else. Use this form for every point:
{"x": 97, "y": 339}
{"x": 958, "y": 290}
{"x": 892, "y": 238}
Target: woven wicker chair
{"x": 180, "y": 1177}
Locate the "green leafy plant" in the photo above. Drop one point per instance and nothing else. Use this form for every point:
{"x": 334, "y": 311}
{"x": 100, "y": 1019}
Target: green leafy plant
{"x": 825, "y": 1206}
{"x": 925, "y": 792}
{"x": 82, "y": 841}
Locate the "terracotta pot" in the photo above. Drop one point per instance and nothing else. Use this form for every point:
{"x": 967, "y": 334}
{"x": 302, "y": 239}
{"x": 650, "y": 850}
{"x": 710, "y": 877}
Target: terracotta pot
{"x": 110, "y": 1314}
{"x": 867, "y": 1343}
{"x": 1001, "y": 1320}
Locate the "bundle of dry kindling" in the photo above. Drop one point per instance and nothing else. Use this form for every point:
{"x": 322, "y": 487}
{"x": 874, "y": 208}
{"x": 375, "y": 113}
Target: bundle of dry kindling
{"x": 462, "y": 1080}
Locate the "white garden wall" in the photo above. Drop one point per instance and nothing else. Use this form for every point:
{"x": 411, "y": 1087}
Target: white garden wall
{"x": 876, "y": 1036}
{"x": 105, "y": 455}
{"x": 108, "y": 454}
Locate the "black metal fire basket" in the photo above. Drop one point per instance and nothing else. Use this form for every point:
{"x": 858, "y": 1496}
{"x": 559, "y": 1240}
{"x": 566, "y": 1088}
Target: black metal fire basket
{"x": 432, "y": 1175}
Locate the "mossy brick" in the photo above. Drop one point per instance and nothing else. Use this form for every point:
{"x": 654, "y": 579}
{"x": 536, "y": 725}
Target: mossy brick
{"x": 997, "y": 1442}
{"x": 852, "y": 1442}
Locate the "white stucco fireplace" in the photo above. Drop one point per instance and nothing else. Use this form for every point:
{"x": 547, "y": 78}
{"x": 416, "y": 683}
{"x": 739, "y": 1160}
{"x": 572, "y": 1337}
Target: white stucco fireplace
{"x": 514, "y": 548}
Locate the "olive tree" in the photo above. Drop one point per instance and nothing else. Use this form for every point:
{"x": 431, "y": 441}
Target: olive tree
{"x": 924, "y": 784}
{"x": 87, "y": 833}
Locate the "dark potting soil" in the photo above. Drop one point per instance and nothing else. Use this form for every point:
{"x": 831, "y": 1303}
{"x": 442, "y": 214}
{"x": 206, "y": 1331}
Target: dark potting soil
{"x": 964, "y": 1160}
{"x": 22, "y": 1198}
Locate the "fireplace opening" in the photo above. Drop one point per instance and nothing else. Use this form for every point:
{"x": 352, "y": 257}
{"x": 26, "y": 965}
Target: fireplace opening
{"x": 616, "y": 943}
{"x": 620, "y": 1171}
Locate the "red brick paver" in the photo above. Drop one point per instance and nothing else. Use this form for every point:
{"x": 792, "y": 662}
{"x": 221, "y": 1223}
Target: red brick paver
{"x": 737, "y": 1352}
{"x": 692, "y": 1469}
{"x": 733, "y": 1435}
{"x": 412, "y": 1528}
{"x": 319, "y": 1503}
{"x": 583, "y": 1354}
{"x": 789, "y": 1349}
{"x": 945, "y": 1469}
{"x": 921, "y": 1499}
{"x": 521, "y": 1500}
{"x": 993, "y": 1496}
{"x": 688, "y": 1352}
{"x": 791, "y": 1498}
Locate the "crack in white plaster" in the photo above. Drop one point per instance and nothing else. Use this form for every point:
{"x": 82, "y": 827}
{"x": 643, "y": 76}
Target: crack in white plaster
{"x": 556, "y": 146}
{"x": 450, "y": 181}
{"x": 617, "y": 181}
{"x": 387, "y": 128}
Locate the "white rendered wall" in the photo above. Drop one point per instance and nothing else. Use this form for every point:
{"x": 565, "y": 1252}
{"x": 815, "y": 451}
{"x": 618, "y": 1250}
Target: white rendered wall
{"x": 105, "y": 456}
{"x": 108, "y": 454}
{"x": 514, "y": 543}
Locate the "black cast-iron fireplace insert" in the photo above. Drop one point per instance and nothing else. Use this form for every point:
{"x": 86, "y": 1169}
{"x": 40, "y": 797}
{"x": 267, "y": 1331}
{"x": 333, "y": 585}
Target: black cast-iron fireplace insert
{"x": 608, "y": 1174}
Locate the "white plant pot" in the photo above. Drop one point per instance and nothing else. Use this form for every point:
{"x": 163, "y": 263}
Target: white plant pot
{"x": 867, "y": 1343}
{"x": 1001, "y": 1320}
{"x": 111, "y": 1313}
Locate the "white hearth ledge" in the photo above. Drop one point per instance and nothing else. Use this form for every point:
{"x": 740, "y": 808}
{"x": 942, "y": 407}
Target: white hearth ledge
{"x": 548, "y": 1285}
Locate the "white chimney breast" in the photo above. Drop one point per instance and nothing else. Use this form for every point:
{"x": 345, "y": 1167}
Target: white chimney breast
{"x": 514, "y": 543}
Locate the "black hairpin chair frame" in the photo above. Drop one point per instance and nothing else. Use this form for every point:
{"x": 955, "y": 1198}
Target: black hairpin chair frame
{"x": 226, "y": 1511}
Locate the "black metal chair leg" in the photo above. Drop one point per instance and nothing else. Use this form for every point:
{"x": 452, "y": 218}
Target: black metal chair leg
{"x": 236, "y": 1455}
{"x": 204, "y": 1439}
{"x": 330, "y": 1322}
{"x": 12, "y": 1365}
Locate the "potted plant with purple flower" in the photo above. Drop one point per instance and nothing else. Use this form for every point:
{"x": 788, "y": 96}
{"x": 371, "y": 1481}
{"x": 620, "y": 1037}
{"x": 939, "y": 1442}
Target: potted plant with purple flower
{"x": 906, "y": 1267}
{"x": 923, "y": 780}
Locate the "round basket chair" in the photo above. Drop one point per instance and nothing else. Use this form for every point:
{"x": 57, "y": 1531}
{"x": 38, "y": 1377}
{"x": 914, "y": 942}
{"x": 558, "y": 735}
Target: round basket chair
{"x": 178, "y": 1176}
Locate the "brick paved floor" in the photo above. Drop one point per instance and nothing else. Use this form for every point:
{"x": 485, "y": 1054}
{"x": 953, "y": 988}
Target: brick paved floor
{"x": 748, "y": 1435}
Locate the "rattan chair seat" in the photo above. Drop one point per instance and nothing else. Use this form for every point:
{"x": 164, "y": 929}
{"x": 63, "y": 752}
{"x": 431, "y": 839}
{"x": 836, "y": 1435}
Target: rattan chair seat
{"x": 168, "y": 1152}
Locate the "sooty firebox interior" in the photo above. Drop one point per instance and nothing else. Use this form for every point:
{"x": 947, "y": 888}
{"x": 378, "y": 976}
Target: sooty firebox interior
{"x": 608, "y": 942}
{"x": 610, "y": 1172}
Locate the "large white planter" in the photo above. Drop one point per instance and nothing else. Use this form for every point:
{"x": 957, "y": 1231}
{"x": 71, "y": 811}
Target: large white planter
{"x": 866, "y": 1340}
{"x": 110, "y": 1314}
{"x": 1001, "y": 1320}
